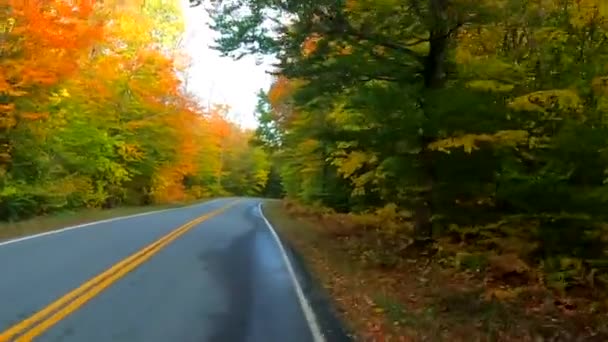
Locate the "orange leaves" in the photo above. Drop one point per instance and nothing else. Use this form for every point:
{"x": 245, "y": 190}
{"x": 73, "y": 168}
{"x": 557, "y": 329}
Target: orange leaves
{"x": 40, "y": 46}
{"x": 153, "y": 78}
{"x": 95, "y": 91}
{"x": 310, "y": 44}
{"x": 7, "y": 107}
{"x": 45, "y": 41}
{"x": 280, "y": 90}
{"x": 110, "y": 95}
{"x": 58, "y": 29}
{"x": 4, "y": 85}
{"x": 33, "y": 116}
{"x": 218, "y": 123}
{"x": 168, "y": 185}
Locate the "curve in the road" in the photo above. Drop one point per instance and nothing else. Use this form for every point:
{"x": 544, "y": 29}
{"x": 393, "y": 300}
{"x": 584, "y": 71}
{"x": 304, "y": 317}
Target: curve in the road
{"x": 223, "y": 276}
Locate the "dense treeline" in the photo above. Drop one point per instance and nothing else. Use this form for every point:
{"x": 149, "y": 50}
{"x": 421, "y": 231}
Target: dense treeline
{"x": 486, "y": 120}
{"x": 93, "y": 112}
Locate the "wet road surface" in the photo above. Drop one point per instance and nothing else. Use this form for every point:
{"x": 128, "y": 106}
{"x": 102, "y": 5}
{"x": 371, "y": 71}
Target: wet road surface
{"x": 154, "y": 277}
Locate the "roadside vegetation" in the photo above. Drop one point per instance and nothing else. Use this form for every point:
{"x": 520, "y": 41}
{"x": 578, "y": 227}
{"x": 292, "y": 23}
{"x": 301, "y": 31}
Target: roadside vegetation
{"x": 425, "y": 296}
{"x": 452, "y": 153}
{"x": 95, "y": 114}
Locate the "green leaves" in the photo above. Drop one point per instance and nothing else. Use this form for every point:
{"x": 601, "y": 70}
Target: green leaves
{"x": 490, "y": 86}
{"x": 103, "y": 121}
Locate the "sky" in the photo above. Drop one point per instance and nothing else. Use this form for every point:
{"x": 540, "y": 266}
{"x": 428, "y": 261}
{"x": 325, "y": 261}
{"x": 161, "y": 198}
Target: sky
{"x": 217, "y": 79}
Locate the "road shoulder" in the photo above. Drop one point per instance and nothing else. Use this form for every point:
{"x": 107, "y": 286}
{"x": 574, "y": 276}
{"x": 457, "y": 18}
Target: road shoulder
{"x": 74, "y": 219}
{"x": 307, "y": 273}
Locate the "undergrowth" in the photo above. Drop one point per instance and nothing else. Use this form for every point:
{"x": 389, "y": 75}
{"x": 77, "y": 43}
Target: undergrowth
{"x": 490, "y": 283}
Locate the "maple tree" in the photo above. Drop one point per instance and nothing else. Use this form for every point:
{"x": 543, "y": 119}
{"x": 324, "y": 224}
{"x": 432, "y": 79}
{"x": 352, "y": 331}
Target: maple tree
{"x": 94, "y": 112}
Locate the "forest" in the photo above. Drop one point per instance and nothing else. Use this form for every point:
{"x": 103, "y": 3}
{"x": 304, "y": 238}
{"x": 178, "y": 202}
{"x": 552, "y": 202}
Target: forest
{"x": 95, "y": 112}
{"x": 473, "y": 130}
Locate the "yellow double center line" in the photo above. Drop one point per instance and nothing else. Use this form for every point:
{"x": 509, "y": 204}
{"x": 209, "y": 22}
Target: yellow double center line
{"x": 42, "y": 320}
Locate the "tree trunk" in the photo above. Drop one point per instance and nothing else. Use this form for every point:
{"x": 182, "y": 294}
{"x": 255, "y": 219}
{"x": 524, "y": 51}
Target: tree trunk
{"x": 434, "y": 78}
{"x": 434, "y": 69}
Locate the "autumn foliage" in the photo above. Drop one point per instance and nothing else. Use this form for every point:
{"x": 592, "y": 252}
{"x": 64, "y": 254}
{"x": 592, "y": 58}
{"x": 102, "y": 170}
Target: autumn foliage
{"x": 93, "y": 112}
{"x": 479, "y": 125}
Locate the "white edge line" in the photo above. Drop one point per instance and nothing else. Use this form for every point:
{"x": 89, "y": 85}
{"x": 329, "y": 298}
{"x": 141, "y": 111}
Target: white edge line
{"x": 311, "y": 318}
{"x": 52, "y": 232}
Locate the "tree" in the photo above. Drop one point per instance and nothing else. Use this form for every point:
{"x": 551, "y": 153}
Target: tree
{"x": 461, "y": 111}
{"x": 94, "y": 113}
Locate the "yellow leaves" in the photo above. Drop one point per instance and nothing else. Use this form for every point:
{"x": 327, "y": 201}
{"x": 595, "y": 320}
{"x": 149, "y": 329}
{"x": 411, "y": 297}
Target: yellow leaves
{"x": 551, "y": 34}
{"x": 587, "y": 12}
{"x": 564, "y": 100}
{"x": 56, "y": 97}
{"x": 580, "y": 12}
{"x": 600, "y": 85}
{"x": 470, "y": 142}
{"x": 392, "y": 218}
{"x": 64, "y": 92}
{"x": 352, "y": 162}
{"x": 477, "y": 42}
{"x": 490, "y": 86}
{"x": 486, "y": 67}
{"x": 4, "y": 86}
{"x": 467, "y": 142}
{"x": 510, "y": 137}
{"x": 167, "y": 185}
{"x": 7, "y": 26}
{"x": 463, "y": 55}
{"x": 130, "y": 152}
{"x": 359, "y": 182}
{"x": 129, "y": 30}
{"x": 7, "y": 121}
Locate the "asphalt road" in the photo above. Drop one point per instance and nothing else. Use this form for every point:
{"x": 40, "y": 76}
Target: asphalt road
{"x": 226, "y": 278}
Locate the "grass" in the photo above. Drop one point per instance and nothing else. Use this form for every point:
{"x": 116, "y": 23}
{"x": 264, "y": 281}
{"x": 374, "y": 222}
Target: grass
{"x": 421, "y": 299}
{"x": 41, "y": 224}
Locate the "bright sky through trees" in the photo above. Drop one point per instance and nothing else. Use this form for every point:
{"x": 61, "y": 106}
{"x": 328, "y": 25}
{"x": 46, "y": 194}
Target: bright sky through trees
{"x": 220, "y": 79}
